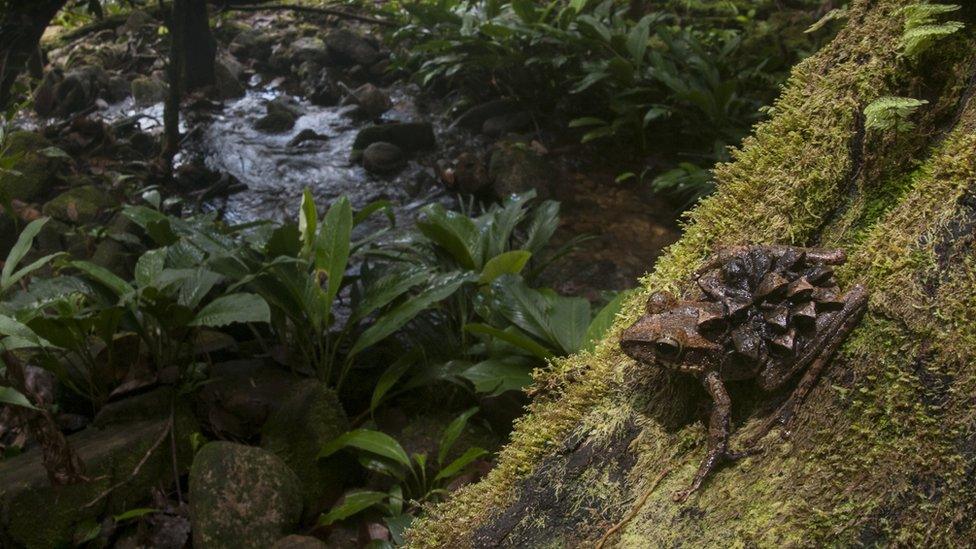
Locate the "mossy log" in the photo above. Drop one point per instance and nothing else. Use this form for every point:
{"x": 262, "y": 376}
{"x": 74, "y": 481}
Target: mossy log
{"x": 884, "y": 449}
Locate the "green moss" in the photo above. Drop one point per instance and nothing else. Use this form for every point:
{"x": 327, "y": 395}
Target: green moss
{"x": 79, "y": 204}
{"x": 31, "y": 173}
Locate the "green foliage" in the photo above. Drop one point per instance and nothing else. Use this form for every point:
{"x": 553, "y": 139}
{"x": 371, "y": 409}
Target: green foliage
{"x": 665, "y": 82}
{"x": 416, "y": 479}
{"x": 922, "y": 28}
{"x": 891, "y": 113}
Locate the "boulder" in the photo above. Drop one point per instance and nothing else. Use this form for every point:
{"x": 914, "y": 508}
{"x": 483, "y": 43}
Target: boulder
{"x": 116, "y": 89}
{"x": 309, "y": 48}
{"x": 136, "y": 21}
{"x": 79, "y": 204}
{"x": 226, "y": 82}
{"x": 323, "y": 90}
{"x": 372, "y": 101}
{"x": 471, "y": 173}
{"x": 78, "y": 90}
{"x": 241, "y": 496}
{"x": 299, "y": 542}
{"x": 111, "y": 252}
{"x": 45, "y": 96}
{"x": 252, "y": 44}
{"x": 32, "y": 173}
{"x": 474, "y": 118}
{"x": 281, "y": 115}
{"x": 310, "y": 417}
{"x": 241, "y": 395}
{"x": 34, "y": 514}
{"x": 409, "y": 136}
{"x": 498, "y": 126}
{"x": 348, "y": 48}
{"x": 305, "y": 136}
{"x": 147, "y": 90}
{"x": 383, "y": 158}
{"x": 514, "y": 168}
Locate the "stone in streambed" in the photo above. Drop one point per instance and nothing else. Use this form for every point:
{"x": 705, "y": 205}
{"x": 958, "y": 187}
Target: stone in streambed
{"x": 383, "y": 158}
{"x": 409, "y": 136}
{"x": 281, "y": 116}
{"x": 514, "y": 168}
{"x": 79, "y": 204}
{"x": 309, "y": 418}
{"x": 147, "y": 90}
{"x": 241, "y": 496}
{"x": 371, "y": 100}
{"x": 32, "y": 172}
{"x": 348, "y": 48}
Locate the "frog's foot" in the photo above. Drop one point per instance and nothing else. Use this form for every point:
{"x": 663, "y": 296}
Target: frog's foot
{"x": 712, "y": 461}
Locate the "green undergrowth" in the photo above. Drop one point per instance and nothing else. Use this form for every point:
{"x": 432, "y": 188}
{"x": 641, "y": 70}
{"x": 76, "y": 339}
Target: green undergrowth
{"x": 880, "y": 452}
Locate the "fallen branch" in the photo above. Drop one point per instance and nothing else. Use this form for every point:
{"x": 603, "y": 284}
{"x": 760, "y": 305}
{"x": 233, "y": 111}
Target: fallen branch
{"x": 308, "y": 9}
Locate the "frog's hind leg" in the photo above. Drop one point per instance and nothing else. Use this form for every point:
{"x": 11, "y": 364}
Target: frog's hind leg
{"x": 822, "y": 350}
{"x": 718, "y": 434}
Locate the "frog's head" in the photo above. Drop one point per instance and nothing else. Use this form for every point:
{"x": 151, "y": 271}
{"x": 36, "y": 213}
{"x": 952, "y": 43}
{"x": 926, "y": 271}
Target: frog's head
{"x": 671, "y": 333}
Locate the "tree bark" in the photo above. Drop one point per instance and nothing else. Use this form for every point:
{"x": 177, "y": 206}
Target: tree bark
{"x": 200, "y": 48}
{"x": 174, "y": 71}
{"x": 22, "y": 23}
{"x": 883, "y": 449}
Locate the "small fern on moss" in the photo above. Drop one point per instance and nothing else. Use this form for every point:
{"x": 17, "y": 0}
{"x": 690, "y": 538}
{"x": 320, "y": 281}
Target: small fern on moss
{"x": 891, "y": 113}
{"x": 922, "y": 29}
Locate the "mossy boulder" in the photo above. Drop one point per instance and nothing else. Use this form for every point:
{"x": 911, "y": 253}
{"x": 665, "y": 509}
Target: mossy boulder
{"x": 34, "y": 514}
{"x": 32, "y": 172}
{"x": 348, "y": 48}
{"x": 409, "y": 136}
{"x": 383, "y": 158}
{"x": 281, "y": 116}
{"x": 79, "y": 204}
{"x": 241, "y": 496}
{"x": 299, "y": 542}
{"x": 309, "y": 418}
{"x": 882, "y": 450}
{"x": 514, "y": 168}
{"x": 147, "y": 90}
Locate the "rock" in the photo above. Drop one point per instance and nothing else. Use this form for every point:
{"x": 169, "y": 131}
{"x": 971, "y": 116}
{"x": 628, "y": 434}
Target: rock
{"x": 383, "y": 158}
{"x": 241, "y": 496}
{"x": 310, "y": 417}
{"x": 281, "y": 117}
{"x": 241, "y": 395}
{"x": 348, "y": 48}
{"x": 471, "y": 173}
{"x": 497, "y": 126}
{"x": 136, "y": 21}
{"x": 252, "y": 44}
{"x": 117, "y": 89}
{"x": 150, "y": 405}
{"x": 148, "y": 91}
{"x": 409, "y": 136}
{"x": 305, "y": 135}
{"x": 45, "y": 96}
{"x": 34, "y": 514}
{"x": 226, "y": 82}
{"x": 79, "y": 204}
{"x": 299, "y": 542}
{"x": 371, "y": 100}
{"x": 309, "y": 48}
{"x": 111, "y": 252}
{"x": 474, "y": 118}
{"x": 323, "y": 91}
{"x": 78, "y": 90}
{"x": 514, "y": 168}
{"x": 32, "y": 173}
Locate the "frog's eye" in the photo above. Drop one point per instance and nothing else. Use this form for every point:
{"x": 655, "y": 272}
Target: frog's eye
{"x": 667, "y": 347}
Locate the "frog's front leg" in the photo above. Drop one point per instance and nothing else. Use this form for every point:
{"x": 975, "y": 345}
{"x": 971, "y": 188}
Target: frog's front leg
{"x": 718, "y": 434}
{"x": 815, "y": 360}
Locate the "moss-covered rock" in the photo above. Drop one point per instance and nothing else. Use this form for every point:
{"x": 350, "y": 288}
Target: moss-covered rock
{"x": 241, "y": 496}
{"x": 32, "y": 172}
{"x": 34, "y": 514}
{"x": 281, "y": 116}
{"x": 147, "y": 90}
{"x": 309, "y": 418}
{"x": 409, "y": 136}
{"x": 514, "y": 168}
{"x": 79, "y": 204}
{"x": 298, "y": 542}
{"x": 882, "y": 451}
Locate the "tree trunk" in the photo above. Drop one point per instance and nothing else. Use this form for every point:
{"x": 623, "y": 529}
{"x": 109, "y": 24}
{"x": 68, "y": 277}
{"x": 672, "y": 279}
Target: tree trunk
{"x": 199, "y": 46}
{"x": 174, "y": 71}
{"x": 22, "y": 22}
{"x": 884, "y": 448}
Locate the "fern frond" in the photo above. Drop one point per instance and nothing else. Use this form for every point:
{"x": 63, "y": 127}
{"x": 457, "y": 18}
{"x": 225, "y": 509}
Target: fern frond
{"x": 889, "y": 113}
{"x": 922, "y": 29}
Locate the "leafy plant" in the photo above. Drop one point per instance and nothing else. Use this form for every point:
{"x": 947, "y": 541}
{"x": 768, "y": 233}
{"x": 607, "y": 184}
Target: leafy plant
{"x": 922, "y": 28}
{"x": 416, "y": 478}
{"x": 891, "y": 113}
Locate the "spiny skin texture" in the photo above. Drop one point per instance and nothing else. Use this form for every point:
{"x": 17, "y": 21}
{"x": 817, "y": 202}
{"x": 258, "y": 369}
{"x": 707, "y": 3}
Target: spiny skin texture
{"x": 764, "y": 313}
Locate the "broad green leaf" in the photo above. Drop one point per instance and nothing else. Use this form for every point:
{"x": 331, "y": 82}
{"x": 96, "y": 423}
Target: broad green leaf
{"x": 20, "y": 249}
{"x": 149, "y": 266}
{"x": 392, "y": 374}
{"x": 354, "y": 502}
{"x": 308, "y": 219}
{"x": 507, "y": 263}
{"x": 452, "y": 432}
{"x": 440, "y": 288}
{"x": 374, "y": 442}
{"x": 604, "y": 319}
{"x": 493, "y": 377}
{"x": 454, "y": 232}
{"x": 397, "y": 525}
{"x": 19, "y": 335}
{"x": 332, "y": 246}
{"x": 233, "y": 308}
{"x": 586, "y": 121}
{"x": 543, "y": 226}
{"x": 104, "y": 277}
{"x": 512, "y": 337}
{"x": 13, "y": 397}
{"x": 458, "y": 465}
{"x": 384, "y": 290}
{"x": 568, "y": 320}
{"x": 134, "y": 513}
{"x": 35, "y": 265}
{"x": 637, "y": 40}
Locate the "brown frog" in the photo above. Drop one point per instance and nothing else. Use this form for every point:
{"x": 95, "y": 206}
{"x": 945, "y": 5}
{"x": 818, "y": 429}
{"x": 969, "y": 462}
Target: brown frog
{"x": 764, "y": 313}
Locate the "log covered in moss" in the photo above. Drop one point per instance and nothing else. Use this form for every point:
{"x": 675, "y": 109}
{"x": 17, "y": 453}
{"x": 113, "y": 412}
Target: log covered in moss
{"x": 884, "y": 449}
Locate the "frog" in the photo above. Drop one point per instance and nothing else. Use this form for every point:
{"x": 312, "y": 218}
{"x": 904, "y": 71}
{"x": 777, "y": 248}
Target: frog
{"x": 765, "y": 313}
